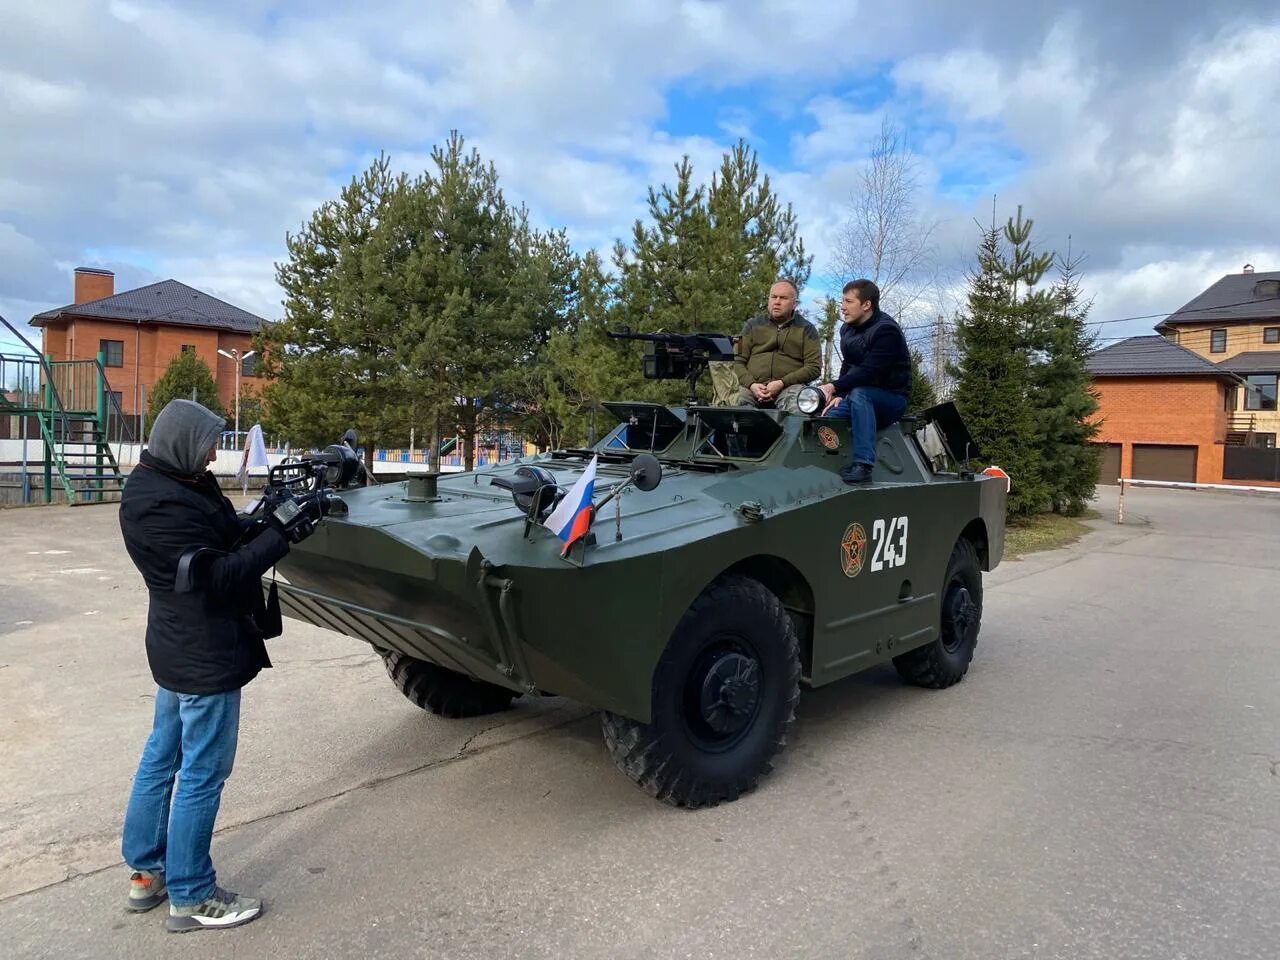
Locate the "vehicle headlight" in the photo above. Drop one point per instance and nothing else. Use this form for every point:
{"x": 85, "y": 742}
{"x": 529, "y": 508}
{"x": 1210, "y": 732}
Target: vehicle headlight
{"x": 810, "y": 400}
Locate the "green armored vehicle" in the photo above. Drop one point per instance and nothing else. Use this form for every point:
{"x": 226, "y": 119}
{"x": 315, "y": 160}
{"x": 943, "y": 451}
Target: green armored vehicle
{"x": 726, "y": 566}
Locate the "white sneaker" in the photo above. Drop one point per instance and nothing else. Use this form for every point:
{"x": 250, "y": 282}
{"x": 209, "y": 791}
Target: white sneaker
{"x": 221, "y": 909}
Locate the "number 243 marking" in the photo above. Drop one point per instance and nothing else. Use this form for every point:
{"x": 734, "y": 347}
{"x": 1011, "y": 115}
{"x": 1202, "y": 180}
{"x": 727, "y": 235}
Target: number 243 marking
{"x": 890, "y": 539}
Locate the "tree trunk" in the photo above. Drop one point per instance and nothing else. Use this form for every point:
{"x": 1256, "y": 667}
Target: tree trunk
{"x": 369, "y": 447}
{"x": 467, "y": 432}
{"x": 433, "y": 451}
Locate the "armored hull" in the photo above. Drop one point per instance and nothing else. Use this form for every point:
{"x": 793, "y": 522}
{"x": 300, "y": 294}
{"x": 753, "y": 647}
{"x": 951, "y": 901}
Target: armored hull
{"x": 466, "y": 580}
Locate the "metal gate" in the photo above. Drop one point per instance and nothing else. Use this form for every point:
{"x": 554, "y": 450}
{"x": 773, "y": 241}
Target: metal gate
{"x": 1164, "y": 462}
{"x": 1109, "y": 463}
{"x": 1250, "y": 463}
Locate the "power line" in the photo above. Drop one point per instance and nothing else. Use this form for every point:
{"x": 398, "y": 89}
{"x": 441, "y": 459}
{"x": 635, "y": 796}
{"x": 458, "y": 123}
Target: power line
{"x": 1180, "y": 311}
{"x": 1249, "y": 338}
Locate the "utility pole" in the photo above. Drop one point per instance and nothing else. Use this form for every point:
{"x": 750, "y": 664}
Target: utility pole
{"x": 234, "y": 355}
{"x": 828, "y": 338}
{"x": 940, "y": 359}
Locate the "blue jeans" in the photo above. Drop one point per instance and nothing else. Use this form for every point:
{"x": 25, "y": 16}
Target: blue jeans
{"x": 869, "y": 409}
{"x": 193, "y": 738}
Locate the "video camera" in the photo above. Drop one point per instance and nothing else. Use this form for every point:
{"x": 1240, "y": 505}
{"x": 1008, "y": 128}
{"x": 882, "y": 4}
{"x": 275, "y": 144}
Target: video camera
{"x": 297, "y": 495}
{"x": 679, "y": 356}
{"x": 305, "y": 485}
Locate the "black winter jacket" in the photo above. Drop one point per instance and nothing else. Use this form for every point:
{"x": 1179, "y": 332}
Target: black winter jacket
{"x": 875, "y": 355}
{"x": 205, "y": 641}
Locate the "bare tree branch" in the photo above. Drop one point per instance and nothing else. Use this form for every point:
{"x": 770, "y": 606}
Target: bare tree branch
{"x": 884, "y": 238}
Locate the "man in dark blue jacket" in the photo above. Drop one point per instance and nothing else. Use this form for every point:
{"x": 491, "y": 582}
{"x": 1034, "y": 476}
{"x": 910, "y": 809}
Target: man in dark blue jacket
{"x": 204, "y": 642}
{"x": 875, "y": 375}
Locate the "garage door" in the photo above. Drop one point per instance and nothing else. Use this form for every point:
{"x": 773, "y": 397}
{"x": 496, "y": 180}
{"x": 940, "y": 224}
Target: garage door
{"x": 1164, "y": 462}
{"x": 1109, "y": 465}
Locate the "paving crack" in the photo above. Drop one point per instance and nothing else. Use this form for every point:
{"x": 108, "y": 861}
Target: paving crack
{"x": 463, "y": 752}
{"x": 878, "y": 871}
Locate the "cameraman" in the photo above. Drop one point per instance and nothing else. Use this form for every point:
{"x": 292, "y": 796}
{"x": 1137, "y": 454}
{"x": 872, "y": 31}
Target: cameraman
{"x": 202, "y": 564}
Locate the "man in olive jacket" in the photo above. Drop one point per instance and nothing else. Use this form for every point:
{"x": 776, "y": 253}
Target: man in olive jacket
{"x": 778, "y": 353}
{"x": 204, "y": 643}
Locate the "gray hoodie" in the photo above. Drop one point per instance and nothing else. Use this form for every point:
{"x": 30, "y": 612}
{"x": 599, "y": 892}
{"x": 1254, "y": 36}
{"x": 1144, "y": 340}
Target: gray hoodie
{"x": 183, "y": 434}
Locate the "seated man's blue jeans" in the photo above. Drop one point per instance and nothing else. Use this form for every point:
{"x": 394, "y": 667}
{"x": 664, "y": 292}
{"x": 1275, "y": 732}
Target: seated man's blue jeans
{"x": 869, "y": 409}
{"x": 194, "y": 738}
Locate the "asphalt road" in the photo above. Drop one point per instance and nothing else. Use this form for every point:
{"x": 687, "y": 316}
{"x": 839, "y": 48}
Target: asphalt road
{"x": 1105, "y": 782}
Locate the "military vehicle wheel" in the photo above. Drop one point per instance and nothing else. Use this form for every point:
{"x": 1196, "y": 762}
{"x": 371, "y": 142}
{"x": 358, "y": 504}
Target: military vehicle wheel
{"x": 944, "y": 661}
{"x": 443, "y": 691}
{"x": 724, "y": 694}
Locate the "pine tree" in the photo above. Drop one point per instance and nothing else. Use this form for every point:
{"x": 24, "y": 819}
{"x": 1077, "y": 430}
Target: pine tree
{"x": 992, "y": 374}
{"x": 328, "y": 359}
{"x": 752, "y": 240}
{"x": 481, "y": 294}
{"x": 584, "y": 367}
{"x": 922, "y": 395}
{"x": 553, "y": 279}
{"x": 1063, "y": 396}
{"x": 423, "y": 304}
{"x": 706, "y": 259}
{"x": 187, "y": 377}
{"x": 664, "y": 281}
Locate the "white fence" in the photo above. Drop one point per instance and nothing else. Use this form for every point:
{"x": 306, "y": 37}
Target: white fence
{"x": 1235, "y": 487}
{"x": 228, "y": 462}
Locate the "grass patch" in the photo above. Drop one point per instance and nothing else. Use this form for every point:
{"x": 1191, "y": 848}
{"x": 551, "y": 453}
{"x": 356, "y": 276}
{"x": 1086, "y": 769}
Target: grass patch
{"x": 1045, "y": 531}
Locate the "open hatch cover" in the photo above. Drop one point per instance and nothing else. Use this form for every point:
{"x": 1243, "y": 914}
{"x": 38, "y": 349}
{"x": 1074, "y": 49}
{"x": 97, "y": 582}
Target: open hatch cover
{"x": 738, "y": 431}
{"x": 646, "y": 426}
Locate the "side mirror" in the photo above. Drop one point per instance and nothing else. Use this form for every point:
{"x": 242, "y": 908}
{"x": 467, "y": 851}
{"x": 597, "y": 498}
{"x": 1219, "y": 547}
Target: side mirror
{"x": 646, "y": 472}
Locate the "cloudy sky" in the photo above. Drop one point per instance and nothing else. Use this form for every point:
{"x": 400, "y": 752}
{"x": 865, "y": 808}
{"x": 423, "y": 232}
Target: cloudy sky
{"x": 166, "y": 139}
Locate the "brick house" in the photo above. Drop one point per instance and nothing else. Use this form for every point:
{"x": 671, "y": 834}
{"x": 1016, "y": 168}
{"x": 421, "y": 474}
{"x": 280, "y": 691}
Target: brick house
{"x": 1236, "y": 324}
{"x": 1164, "y": 411}
{"x": 1198, "y": 403}
{"x": 140, "y": 331}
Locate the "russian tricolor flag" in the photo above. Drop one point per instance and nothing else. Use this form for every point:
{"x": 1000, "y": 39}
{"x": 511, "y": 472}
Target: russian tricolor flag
{"x": 571, "y": 518}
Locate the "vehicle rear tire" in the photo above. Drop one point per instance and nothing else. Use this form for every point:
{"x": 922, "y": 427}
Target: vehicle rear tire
{"x": 724, "y": 694}
{"x": 442, "y": 691}
{"x": 945, "y": 660}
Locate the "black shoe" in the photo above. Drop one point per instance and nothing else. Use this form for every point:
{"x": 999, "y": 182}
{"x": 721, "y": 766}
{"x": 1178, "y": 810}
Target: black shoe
{"x": 858, "y": 473}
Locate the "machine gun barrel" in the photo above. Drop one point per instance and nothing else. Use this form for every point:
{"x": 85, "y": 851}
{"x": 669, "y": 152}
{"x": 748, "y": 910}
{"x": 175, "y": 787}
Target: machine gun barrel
{"x": 675, "y": 356}
{"x": 710, "y": 346}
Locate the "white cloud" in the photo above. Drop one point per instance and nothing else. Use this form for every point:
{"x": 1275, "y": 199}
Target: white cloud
{"x": 196, "y": 135}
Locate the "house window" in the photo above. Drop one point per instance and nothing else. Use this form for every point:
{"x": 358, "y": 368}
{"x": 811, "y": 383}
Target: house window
{"x": 1228, "y": 398}
{"x": 117, "y": 397}
{"x": 1260, "y": 392}
{"x": 112, "y": 352}
{"x": 1218, "y": 341}
{"x": 188, "y": 348}
{"x": 1271, "y": 334}
{"x": 1266, "y": 440}
{"x": 249, "y": 366}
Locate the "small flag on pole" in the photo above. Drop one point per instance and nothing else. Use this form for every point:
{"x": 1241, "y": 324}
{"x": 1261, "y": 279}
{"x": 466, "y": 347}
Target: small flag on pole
{"x": 571, "y": 518}
{"x": 994, "y": 471}
{"x": 255, "y": 455}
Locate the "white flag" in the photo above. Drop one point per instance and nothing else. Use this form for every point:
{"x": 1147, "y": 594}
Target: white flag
{"x": 255, "y": 455}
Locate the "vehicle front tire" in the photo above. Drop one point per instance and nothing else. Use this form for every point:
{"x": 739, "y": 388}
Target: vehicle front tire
{"x": 444, "y": 692}
{"x": 724, "y": 694}
{"x": 945, "y": 660}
